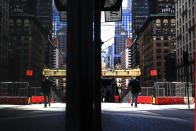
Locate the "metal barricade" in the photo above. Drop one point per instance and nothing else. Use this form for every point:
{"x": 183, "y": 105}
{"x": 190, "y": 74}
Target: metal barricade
{"x": 35, "y": 91}
{"x": 147, "y": 91}
{"x": 14, "y": 89}
{"x": 173, "y": 89}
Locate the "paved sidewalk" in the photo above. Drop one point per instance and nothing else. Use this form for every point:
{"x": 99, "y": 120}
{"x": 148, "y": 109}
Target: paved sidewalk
{"x": 115, "y": 117}
{"x": 147, "y": 117}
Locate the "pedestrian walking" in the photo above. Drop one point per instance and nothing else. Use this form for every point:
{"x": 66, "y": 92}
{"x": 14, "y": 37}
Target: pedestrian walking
{"x": 135, "y": 90}
{"x": 46, "y": 89}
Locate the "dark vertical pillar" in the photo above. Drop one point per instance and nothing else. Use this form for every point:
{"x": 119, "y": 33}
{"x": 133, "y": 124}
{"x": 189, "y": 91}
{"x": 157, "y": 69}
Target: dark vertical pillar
{"x": 79, "y": 97}
{"x": 97, "y": 97}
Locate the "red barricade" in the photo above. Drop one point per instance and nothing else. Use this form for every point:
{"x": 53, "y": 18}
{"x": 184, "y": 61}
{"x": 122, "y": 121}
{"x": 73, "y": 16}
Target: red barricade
{"x": 14, "y": 100}
{"x": 144, "y": 99}
{"x": 116, "y": 99}
{"x": 169, "y": 100}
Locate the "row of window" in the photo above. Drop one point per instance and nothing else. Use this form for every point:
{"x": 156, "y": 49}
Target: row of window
{"x": 182, "y": 21}
{"x": 165, "y": 22}
{"x": 187, "y": 4}
{"x": 161, "y": 51}
{"x": 185, "y": 38}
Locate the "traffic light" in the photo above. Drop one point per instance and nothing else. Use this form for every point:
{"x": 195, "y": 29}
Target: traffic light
{"x": 185, "y": 58}
{"x": 105, "y": 5}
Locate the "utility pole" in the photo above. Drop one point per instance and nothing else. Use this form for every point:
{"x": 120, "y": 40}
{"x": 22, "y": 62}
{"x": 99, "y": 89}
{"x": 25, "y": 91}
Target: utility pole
{"x": 186, "y": 63}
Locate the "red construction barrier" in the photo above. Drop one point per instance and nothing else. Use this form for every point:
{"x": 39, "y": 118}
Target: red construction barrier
{"x": 38, "y": 100}
{"x": 169, "y": 100}
{"x": 23, "y": 101}
{"x": 116, "y": 99}
{"x": 144, "y": 100}
{"x": 14, "y": 100}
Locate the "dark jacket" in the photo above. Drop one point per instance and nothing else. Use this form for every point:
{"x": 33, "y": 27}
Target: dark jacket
{"x": 134, "y": 86}
{"x": 46, "y": 86}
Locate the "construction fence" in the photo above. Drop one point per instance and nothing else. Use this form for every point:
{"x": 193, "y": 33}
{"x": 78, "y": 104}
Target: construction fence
{"x": 169, "y": 89}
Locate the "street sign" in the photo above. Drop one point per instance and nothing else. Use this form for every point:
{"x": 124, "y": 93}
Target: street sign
{"x": 153, "y": 72}
{"x": 29, "y": 73}
{"x": 63, "y": 16}
{"x": 113, "y": 16}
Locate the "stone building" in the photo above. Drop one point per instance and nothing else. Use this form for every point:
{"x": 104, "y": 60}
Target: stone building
{"x": 157, "y": 39}
{"x": 185, "y": 36}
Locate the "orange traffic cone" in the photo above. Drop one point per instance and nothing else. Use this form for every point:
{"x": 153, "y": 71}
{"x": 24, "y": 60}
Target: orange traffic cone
{"x": 129, "y": 100}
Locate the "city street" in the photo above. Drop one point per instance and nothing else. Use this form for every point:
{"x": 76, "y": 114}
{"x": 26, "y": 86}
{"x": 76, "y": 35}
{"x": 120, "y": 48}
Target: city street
{"x": 115, "y": 117}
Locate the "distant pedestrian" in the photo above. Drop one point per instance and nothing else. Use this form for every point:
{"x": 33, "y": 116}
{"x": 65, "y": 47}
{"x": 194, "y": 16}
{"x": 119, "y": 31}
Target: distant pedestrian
{"x": 135, "y": 90}
{"x": 46, "y": 89}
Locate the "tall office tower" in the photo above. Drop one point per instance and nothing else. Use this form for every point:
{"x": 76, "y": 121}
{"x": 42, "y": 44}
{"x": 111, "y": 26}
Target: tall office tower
{"x": 57, "y": 23}
{"x": 4, "y": 40}
{"x": 22, "y": 8}
{"x": 42, "y": 11}
{"x": 119, "y": 43}
{"x": 140, "y": 12}
{"x": 62, "y": 38}
{"x": 123, "y": 30}
{"x": 26, "y": 48}
{"x": 59, "y": 31}
{"x": 110, "y": 60}
{"x": 185, "y": 39}
{"x": 44, "y": 14}
{"x": 161, "y": 6}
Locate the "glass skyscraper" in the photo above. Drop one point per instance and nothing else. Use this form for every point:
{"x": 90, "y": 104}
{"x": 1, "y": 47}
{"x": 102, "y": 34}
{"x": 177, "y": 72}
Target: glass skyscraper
{"x": 59, "y": 29}
{"x": 123, "y": 30}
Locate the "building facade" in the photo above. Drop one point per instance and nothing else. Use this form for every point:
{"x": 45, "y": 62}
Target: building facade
{"x": 123, "y": 30}
{"x": 27, "y": 49}
{"x": 4, "y": 39}
{"x": 185, "y": 11}
{"x": 156, "y": 41}
{"x": 140, "y": 12}
{"x": 59, "y": 31}
{"x": 42, "y": 11}
{"x": 161, "y": 6}
{"x": 141, "y": 9}
{"x": 110, "y": 55}
{"x": 44, "y": 14}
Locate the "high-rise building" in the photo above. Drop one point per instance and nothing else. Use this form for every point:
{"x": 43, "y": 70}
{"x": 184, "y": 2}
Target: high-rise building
{"x": 44, "y": 14}
{"x": 185, "y": 35}
{"x": 110, "y": 60}
{"x": 22, "y": 7}
{"x": 27, "y": 41}
{"x": 156, "y": 40}
{"x": 59, "y": 31}
{"x": 4, "y": 39}
{"x": 119, "y": 43}
{"x": 140, "y": 12}
{"x": 42, "y": 11}
{"x": 62, "y": 38}
{"x": 141, "y": 9}
{"x": 57, "y": 23}
{"x": 123, "y": 30}
{"x": 161, "y": 6}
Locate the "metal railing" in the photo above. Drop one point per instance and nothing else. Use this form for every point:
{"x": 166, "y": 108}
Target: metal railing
{"x": 169, "y": 89}
{"x": 14, "y": 89}
{"x": 173, "y": 89}
{"x": 147, "y": 91}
